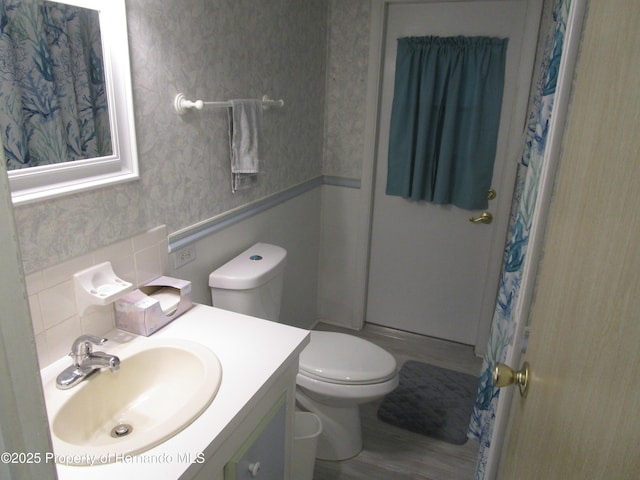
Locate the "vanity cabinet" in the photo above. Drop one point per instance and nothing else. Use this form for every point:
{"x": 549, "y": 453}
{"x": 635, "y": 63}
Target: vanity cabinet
{"x": 262, "y": 456}
{"x": 260, "y": 446}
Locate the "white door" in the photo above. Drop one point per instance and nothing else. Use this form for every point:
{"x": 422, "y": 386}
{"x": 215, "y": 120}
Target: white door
{"x": 581, "y": 417}
{"x": 432, "y": 271}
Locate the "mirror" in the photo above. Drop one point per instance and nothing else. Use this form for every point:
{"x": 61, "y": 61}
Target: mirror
{"x": 116, "y": 157}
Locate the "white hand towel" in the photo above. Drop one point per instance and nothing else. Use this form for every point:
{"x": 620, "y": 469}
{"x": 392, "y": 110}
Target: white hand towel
{"x": 245, "y": 124}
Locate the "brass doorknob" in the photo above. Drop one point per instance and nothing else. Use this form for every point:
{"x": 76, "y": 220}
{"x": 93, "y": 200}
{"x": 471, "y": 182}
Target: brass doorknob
{"x": 503, "y": 376}
{"x": 485, "y": 217}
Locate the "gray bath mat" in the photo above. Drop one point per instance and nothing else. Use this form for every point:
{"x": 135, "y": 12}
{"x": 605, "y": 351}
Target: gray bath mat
{"x": 432, "y": 401}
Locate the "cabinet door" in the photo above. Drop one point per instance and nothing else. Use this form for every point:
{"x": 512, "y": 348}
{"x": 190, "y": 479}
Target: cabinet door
{"x": 262, "y": 455}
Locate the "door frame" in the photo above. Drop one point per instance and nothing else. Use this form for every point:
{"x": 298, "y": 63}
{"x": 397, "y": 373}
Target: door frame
{"x": 23, "y": 418}
{"x": 540, "y": 216}
{"x": 379, "y": 9}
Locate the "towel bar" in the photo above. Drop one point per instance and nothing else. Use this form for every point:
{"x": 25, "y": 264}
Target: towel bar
{"x": 182, "y": 104}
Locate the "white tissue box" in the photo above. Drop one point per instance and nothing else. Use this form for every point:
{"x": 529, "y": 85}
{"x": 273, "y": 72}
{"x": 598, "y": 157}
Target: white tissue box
{"x": 149, "y": 308}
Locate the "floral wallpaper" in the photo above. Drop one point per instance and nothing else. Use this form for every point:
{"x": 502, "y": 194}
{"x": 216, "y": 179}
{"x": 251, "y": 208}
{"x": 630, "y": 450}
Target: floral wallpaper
{"x": 214, "y": 50}
{"x": 348, "y": 45}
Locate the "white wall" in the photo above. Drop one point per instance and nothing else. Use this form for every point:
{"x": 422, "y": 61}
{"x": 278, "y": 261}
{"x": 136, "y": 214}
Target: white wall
{"x": 339, "y": 283}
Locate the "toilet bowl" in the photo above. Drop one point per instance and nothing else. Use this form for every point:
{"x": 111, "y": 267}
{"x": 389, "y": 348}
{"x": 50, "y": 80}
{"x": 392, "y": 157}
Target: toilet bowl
{"x": 337, "y": 373}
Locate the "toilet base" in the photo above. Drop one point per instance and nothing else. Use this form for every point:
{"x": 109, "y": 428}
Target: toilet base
{"x": 341, "y": 436}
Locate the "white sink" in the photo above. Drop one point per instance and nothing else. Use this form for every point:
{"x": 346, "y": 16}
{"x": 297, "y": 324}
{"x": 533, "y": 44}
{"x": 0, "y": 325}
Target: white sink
{"x": 161, "y": 387}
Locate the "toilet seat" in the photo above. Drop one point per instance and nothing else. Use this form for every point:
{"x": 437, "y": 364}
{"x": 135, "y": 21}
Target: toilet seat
{"x": 345, "y": 360}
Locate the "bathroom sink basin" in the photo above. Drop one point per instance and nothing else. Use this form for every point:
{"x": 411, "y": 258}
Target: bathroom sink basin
{"x": 160, "y": 388}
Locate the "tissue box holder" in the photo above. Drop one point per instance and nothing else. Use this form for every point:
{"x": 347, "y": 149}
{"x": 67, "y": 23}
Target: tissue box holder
{"x": 137, "y": 312}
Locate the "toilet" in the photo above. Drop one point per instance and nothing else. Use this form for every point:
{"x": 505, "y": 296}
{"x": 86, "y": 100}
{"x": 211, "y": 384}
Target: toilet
{"x": 337, "y": 372}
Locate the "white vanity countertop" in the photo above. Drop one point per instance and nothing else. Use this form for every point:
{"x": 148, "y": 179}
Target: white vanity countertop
{"x": 251, "y": 352}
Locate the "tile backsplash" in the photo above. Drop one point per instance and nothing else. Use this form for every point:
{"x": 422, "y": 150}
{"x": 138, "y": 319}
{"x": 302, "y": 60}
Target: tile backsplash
{"x": 56, "y": 322}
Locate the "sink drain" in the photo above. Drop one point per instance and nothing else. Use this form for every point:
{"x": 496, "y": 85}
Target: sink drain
{"x": 121, "y": 430}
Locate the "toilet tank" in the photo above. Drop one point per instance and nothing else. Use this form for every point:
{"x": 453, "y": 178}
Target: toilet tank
{"x": 251, "y": 283}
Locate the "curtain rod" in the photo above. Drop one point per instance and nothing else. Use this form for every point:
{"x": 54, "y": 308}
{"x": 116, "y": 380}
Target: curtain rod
{"x": 182, "y": 104}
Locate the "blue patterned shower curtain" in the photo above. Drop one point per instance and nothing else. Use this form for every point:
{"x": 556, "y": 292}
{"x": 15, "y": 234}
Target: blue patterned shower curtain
{"x": 503, "y": 326}
{"x": 53, "y": 102}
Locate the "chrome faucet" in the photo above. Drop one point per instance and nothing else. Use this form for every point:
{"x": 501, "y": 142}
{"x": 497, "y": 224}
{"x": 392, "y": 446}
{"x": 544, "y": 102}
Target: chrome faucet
{"x": 85, "y": 361}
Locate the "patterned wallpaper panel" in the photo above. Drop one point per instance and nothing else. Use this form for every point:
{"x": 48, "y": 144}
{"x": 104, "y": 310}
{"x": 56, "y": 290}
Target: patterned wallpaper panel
{"x": 348, "y": 46}
{"x": 214, "y": 50}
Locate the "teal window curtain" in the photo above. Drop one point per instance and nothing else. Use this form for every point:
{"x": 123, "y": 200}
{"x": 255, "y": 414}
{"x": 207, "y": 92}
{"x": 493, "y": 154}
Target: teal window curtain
{"x": 53, "y": 100}
{"x": 445, "y": 118}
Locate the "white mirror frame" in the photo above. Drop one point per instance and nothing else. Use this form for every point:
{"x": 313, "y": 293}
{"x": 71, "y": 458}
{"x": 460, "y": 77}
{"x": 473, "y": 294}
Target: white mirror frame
{"x": 50, "y": 181}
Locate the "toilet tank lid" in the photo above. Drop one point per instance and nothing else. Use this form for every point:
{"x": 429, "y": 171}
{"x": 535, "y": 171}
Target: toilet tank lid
{"x": 252, "y": 268}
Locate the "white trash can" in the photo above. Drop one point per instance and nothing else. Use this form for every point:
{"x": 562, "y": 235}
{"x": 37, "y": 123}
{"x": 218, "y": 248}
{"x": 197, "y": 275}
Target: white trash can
{"x": 307, "y": 427}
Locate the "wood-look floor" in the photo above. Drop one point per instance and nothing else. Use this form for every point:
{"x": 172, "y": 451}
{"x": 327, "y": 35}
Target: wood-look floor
{"x": 391, "y": 453}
